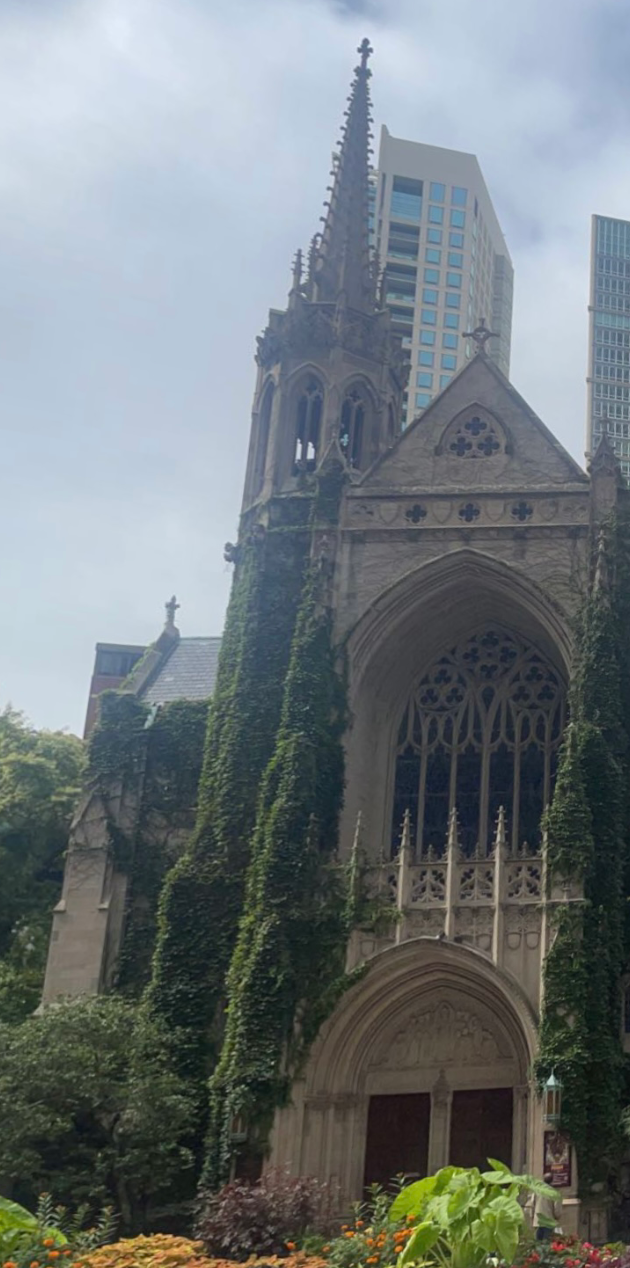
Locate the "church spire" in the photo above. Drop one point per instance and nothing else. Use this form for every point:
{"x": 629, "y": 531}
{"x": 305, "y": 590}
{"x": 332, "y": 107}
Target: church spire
{"x": 343, "y": 257}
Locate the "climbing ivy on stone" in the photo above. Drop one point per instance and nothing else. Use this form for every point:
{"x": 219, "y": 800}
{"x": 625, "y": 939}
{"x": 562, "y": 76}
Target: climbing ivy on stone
{"x": 287, "y": 970}
{"x": 203, "y": 895}
{"x": 588, "y": 832}
{"x": 288, "y": 965}
{"x": 174, "y": 750}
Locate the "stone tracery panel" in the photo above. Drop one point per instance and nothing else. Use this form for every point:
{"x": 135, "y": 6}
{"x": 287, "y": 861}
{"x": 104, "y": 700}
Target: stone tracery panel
{"x": 474, "y": 436}
{"x": 481, "y": 729}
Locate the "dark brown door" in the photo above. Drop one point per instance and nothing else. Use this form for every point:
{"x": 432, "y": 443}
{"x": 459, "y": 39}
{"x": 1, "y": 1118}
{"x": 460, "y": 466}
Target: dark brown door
{"x": 397, "y": 1137}
{"x": 481, "y": 1127}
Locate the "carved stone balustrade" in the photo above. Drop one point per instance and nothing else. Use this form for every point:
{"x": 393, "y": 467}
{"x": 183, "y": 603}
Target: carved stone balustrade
{"x": 494, "y": 902}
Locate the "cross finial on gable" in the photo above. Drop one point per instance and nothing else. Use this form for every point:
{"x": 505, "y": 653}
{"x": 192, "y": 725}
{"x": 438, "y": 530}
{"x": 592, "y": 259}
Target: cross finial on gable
{"x": 171, "y": 608}
{"x": 480, "y": 336}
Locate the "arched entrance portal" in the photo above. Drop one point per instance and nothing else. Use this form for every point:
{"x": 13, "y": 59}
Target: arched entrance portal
{"x": 424, "y": 1062}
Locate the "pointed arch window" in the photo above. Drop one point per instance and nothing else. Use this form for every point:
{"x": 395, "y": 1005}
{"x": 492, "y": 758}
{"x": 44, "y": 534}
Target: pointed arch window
{"x": 262, "y": 443}
{"x": 352, "y": 426}
{"x": 308, "y": 425}
{"x": 480, "y": 730}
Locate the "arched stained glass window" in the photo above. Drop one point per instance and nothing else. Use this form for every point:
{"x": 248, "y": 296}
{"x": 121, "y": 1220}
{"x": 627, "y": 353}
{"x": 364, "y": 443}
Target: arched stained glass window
{"x": 481, "y": 730}
{"x": 308, "y": 423}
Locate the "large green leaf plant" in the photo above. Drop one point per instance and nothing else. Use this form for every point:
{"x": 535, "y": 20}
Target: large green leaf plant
{"x": 462, "y": 1216}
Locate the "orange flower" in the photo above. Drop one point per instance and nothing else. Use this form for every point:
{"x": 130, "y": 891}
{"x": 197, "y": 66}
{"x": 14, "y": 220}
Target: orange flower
{"x": 325, "y": 1249}
{"x": 35, "y": 1263}
{"x": 290, "y": 1245}
{"x": 48, "y": 1241}
{"x": 350, "y": 1234}
{"x": 9, "y": 1263}
{"x": 358, "y": 1223}
{"x": 344, "y": 1227}
{"x": 372, "y": 1259}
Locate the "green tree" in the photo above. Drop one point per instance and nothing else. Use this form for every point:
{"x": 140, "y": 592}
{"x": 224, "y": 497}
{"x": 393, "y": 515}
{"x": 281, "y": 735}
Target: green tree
{"x": 39, "y": 779}
{"x": 92, "y": 1109}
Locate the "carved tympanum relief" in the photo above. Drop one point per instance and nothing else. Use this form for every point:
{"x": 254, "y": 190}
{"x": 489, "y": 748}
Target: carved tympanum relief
{"x": 440, "y": 1035}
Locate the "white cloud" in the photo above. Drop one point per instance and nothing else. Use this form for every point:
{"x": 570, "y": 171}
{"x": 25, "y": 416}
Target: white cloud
{"x": 160, "y": 160}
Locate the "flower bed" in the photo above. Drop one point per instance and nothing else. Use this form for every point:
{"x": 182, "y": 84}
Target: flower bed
{"x": 163, "y": 1251}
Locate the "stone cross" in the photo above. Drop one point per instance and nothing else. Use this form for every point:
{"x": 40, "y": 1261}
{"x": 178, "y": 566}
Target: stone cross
{"x": 171, "y": 609}
{"x": 480, "y": 336}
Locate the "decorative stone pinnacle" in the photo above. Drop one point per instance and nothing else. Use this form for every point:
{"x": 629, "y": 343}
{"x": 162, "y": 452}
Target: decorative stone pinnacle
{"x": 171, "y": 608}
{"x": 600, "y": 581}
{"x": 480, "y": 336}
{"x": 500, "y": 839}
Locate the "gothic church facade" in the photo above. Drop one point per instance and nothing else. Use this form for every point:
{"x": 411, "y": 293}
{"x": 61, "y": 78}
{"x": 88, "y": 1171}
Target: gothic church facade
{"x": 454, "y": 566}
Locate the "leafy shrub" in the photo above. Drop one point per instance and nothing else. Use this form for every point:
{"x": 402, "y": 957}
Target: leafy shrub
{"x": 162, "y": 1251}
{"x": 371, "y": 1238}
{"x": 143, "y": 1252}
{"x": 264, "y": 1218}
{"x": 562, "y": 1251}
{"x": 49, "y": 1238}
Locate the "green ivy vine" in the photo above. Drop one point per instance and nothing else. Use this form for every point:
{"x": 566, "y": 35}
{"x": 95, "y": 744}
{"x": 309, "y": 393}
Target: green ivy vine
{"x": 588, "y": 833}
{"x": 203, "y": 895}
{"x": 288, "y": 966}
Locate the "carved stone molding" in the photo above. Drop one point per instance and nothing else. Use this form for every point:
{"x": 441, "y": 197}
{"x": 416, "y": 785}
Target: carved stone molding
{"x": 441, "y": 1035}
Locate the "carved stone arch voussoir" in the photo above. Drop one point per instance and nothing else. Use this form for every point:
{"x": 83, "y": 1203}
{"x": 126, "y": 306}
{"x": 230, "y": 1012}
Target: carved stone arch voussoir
{"x": 437, "y": 599}
{"x": 302, "y": 371}
{"x": 424, "y": 1003}
{"x": 362, "y": 383}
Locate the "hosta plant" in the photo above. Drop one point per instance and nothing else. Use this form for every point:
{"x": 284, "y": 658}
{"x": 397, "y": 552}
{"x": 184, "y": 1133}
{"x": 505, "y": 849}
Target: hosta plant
{"x": 459, "y": 1216}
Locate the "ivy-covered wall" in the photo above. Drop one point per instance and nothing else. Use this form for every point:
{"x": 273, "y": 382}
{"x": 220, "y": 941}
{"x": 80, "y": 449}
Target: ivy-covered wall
{"x": 157, "y": 757}
{"x": 588, "y": 830}
{"x": 203, "y": 895}
{"x": 288, "y": 964}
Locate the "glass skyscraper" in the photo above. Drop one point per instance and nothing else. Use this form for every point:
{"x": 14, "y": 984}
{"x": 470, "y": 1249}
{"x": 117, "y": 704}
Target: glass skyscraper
{"x": 445, "y": 261}
{"x": 609, "y": 337}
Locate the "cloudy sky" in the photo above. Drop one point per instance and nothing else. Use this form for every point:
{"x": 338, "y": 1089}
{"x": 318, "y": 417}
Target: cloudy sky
{"x": 160, "y": 161}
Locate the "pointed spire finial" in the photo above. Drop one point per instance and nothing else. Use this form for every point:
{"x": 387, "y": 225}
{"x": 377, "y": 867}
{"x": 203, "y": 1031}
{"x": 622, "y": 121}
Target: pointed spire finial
{"x": 405, "y": 840}
{"x": 343, "y": 263}
{"x": 366, "y": 50}
{"x": 452, "y": 842}
{"x": 604, "y": 457}
{"x": 601, "y": 578}
{"x": 500, "y": 837}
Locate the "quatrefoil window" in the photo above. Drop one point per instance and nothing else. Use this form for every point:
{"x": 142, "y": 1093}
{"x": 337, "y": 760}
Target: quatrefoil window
{"x": 474, "y": 435}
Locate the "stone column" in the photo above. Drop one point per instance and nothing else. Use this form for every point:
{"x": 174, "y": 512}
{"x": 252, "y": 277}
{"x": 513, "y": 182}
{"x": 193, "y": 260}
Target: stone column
{"x": 440, "y": 1125}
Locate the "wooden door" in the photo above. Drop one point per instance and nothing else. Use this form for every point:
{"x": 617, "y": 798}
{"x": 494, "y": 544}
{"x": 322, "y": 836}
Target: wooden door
{"x": 481, "y": 1127}
{"x": 397, "y": 1137}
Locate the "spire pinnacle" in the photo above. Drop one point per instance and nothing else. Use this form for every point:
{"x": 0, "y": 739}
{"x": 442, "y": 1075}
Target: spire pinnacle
{"x": 343, "y": 263}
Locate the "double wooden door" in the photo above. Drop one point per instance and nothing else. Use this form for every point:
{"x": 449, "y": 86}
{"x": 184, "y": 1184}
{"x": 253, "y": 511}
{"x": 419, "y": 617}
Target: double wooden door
{"x": 399, "y": 1125}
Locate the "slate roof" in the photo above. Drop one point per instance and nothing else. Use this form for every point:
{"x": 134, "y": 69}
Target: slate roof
{"x": 188, "y": 673}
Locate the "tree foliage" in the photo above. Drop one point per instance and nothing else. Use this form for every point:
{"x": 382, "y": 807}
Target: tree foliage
{"x": 92, "y": 1110}
{"x": 39, "y": 779}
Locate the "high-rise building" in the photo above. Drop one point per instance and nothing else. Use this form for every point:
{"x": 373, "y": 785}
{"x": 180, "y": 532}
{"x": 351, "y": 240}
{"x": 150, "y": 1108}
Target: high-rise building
{"x": 445, "y": 260}
{"x": 609, "y": 338}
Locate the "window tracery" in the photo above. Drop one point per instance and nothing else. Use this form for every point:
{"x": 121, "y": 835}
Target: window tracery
{"x": 308, "y": 424}
{"x": 481, "y": 730}
{"x": 474, "y": 435}
{"x": 351, "y": 426}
